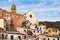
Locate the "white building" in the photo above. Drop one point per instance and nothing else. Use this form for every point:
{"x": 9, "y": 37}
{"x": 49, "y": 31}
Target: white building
{"x": 2, "y": 23}
{"x": 52, "y": 38}
{"x": 38, "y": 29}
{"x": 32, "y": 26}
{"x": 41, "y": 29}
{"x": 47, "y": 37}
{"x": 31, "y": 17}
{"x": 14, "y": 35}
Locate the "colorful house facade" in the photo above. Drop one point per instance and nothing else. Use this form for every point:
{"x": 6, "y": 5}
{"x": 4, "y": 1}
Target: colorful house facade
{"x": 12, "y": 19}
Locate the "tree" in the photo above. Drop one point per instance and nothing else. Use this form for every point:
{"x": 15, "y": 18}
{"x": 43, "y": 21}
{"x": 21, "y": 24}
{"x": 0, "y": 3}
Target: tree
{"x": 7, "y": 27}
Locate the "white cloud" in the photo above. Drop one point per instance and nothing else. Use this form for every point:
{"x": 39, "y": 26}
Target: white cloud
{"x": 10, "y": 0}
{"x": 57, "y": 9}
{"x": 41, "y": 10}
{"x": 13, "y": 0}
{"x": 5, "y": 8}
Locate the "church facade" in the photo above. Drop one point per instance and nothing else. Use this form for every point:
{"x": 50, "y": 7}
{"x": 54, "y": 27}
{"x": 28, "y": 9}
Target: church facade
{"x": 31, "y": 17}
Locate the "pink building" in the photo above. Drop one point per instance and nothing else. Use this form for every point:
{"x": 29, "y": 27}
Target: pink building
{"x": 22, "y": 30}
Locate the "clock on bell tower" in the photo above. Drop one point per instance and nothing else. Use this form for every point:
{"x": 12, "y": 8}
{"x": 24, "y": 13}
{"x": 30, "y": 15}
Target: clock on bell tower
{"x": 13, "y": 8}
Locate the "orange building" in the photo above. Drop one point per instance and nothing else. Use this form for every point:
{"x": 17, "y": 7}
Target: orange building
{"x": 12, "y": 19}
{"x": 52, "y": 32}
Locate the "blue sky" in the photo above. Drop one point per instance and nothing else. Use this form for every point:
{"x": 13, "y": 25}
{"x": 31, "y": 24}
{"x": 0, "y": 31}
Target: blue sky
{"x": 45, "y": 10}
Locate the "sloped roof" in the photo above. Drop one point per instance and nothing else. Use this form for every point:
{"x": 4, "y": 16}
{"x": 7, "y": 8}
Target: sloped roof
{"x": 28, "y": 12}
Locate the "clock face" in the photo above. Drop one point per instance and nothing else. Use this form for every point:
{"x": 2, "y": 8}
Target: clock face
{"x": 14, "y": 8}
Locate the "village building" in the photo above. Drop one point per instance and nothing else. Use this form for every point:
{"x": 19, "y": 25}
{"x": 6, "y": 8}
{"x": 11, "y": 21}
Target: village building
{"x": 14, "y": 35}
{"x": 30, "y": 16}
{"x": 42, "y": 28}
{"x": 52, "y": 31}
{"x": 12, "y": 19}
{"x": 47, "y": 37}
{"x": 15, "y": 26}
{"x": 3, "y": 35}
{"x": 52, "y": 38}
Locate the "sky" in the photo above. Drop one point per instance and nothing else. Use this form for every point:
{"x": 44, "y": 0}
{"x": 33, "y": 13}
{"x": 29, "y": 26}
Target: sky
{"x": 45, "y": 10}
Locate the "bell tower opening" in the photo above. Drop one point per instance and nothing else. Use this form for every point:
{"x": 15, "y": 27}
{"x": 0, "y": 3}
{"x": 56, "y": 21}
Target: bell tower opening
{"x": 13, "y": 8}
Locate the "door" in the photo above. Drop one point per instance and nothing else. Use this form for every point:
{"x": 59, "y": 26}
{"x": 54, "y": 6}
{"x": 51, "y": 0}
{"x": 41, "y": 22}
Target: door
{"x": 2, "y": 36}
{"x": 19, "y": 37}
{"x": 12, "y": 37}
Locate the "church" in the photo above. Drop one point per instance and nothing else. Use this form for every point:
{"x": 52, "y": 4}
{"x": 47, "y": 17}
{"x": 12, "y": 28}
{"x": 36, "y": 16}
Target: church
{"x": 30, "y": 16}
{"x": 12, "y": 19}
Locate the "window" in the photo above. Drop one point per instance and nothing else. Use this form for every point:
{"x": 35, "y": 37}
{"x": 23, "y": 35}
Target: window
{"x": 37, "y": 28}
{"x": 48, "y": 38}
{"x": 12, "y": 24}
{"x": 34, "y": 31}
{"x": 53, "y": 39}
{"x": 58, "y": 38}
{"x": 24, "y": 37}
{"x": 29, "y": 32}
{"x": 19, "y": 37}
{"x": 55, "y": 30}
{"x": 30, "y": 16}
{"x": 40, "y": 28}
{"x": 43, "y": 27}
{"x": 49, "y": 30}
{"x": 2, "y": 36}
{"x": 25, "y": 30}
{"x": 43, "y": 38}
{"x": 38, "y": 31}
{"x": 12, "y": 38}
{"x": 41, "y": 31}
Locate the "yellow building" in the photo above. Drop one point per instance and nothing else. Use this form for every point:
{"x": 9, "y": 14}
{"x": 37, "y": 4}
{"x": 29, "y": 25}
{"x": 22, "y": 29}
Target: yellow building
{"x": 52, "y": 32}
{"x": 37, "y": 23}
{"x": 2, "y": 23}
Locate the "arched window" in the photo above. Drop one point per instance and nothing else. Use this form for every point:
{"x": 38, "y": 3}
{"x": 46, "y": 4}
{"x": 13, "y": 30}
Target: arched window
{"x": 48, "y": 38}
{"x": 53, "y": 39}
{"x": 19, "y": 37}
{"x": 30, "y": 16}
{"x": 43, "y": 38}
{"x": 58, "y": 38}
{"x": 2, "y": 36}
{"x": 12, "y": 37}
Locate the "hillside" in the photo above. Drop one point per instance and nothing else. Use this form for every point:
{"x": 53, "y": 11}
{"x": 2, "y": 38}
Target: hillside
{"x": 52, "y": 24}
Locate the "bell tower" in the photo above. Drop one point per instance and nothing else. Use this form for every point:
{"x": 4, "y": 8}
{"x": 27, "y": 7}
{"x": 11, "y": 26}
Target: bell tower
{"x": 13, "y": 8}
